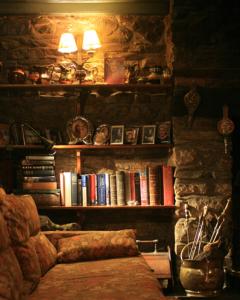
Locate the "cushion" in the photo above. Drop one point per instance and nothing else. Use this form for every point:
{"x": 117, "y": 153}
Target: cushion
{"x": 4, "y": 237}
{"x": 98, "y": 245}
{"x": 29, "y": 263}
{"x": 47, "y": 253}
{"x": 22, "y": 218}
{"x": 11, "y": 279}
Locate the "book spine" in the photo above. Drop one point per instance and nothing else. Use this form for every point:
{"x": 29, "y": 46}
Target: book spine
{"x": 92, "y": 189}
{"x": 39, "y": 179}
{"x": 68, "y": 188}
{"x": 39, "y": 185}
{"x": 113, "y": 190}
{"x": 154, "y": 191}
{"x": 74, "y": 200}
{"x": 144, "y": 187}
{"x": 39, "y": 157}
{"x": 84, "y": 189}
{"x": 79, "y": 191}
{"x": 101, "y": 189}
{"x": 137, "y": 187}
{"x": 120, "y": 188}
{"x": 127, "y": 187}
{"x": 26, "y": 162}
{"x": 38, "y": 173}
{"x": 107, "y": 183}
{"x": 132, "y": 187}
{"x": 168, "y": 190}
{"x": 62, "y": 194}
{"x": 40, "y": 168}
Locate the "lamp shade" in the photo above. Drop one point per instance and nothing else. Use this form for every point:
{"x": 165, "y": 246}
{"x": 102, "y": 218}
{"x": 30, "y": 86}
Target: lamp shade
{"x": 67, "y": 43}
{"x": 90, "y": 40}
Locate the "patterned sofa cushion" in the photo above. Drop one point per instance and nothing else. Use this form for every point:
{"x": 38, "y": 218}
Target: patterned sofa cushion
{"x": 47, "y": 253}
{"x": 21, "y": 215}
{"x": 98, "y": 245}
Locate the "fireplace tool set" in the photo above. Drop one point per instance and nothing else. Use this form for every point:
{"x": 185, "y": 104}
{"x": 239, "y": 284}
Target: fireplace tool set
{"x": 200, "y": 248}
{"x": 201, "y": 270}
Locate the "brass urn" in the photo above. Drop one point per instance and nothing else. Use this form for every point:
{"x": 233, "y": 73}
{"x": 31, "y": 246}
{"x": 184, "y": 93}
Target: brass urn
{"x": 202, "y": 278}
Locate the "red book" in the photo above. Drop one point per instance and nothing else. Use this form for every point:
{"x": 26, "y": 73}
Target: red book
{"x": 168, "y": 191}
{"x": 144, "y": 187}
{"x": 132, "y": 186}
{"x": 93, "y": 194}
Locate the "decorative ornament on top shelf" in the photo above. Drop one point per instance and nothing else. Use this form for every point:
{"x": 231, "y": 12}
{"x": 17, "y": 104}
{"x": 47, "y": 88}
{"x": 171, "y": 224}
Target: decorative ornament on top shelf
{"x": 225, "y": 127}
{"x": 191, "y": 101}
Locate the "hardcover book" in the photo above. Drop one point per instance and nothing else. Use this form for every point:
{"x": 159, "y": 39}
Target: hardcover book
{"x": 39, "y": 185}
{"x": 168, "y": 189}
{"x": 101, "y": 189}
{"x": 154, "y": 185}
{"x": 120, "y": 188}
{"x": 144, "y": 187}
{"x": 113, "y": 189}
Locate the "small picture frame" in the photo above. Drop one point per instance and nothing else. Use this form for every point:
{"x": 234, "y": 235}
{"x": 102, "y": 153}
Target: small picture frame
{"x": 148, "y": 134}
{"x": 131, "y": 135}
{"x": 114, "y": 70}
{"x": 117, "y": 135}
{"x": 4, "y": 134}
{"x": 164, "y": 132}
{"x": 54, "y": 135}
{"x": 102, "y": 135}
{"x": 29, "y": 137}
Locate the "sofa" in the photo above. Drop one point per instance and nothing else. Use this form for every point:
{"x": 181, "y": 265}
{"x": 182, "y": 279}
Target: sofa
{"x": 68, "y": 265}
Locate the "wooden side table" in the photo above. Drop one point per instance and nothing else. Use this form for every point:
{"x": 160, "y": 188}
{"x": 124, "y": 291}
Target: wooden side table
{"x": 159, "y": 262}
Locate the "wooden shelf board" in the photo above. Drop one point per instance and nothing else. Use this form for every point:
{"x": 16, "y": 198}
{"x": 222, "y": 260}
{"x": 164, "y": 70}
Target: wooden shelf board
{"x": 106, "y": 207}
{"x": 50, "y": 87}
{"x": 88, "y": 147}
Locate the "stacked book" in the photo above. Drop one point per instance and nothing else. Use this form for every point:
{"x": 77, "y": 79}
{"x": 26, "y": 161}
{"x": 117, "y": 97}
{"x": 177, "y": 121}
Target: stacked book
{"x": 152, "y": 185}
{"x": 38, "y": 173}
{"x": 38, "y": 178}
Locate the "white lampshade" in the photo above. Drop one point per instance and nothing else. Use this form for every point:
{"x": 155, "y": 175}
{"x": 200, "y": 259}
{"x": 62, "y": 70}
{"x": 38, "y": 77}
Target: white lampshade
{"x": 90, "y": 40}
{"x": 67, "y": 43}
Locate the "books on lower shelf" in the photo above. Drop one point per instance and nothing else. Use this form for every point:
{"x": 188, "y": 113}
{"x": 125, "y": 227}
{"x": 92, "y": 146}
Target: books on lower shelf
{"x": 153, "y": 185}
{"x": 37, "y": 172}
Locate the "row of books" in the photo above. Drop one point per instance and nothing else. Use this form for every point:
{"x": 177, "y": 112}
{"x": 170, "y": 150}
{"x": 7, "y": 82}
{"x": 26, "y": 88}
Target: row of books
{"x": 149, "y": 186}
{"x": 38, "y": 172}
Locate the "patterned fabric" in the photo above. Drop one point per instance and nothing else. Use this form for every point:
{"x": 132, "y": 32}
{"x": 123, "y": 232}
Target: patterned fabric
{"x": 22, "y": 218}
{"x": 2, "y": 194}
{"x": 112, "y": 279}
{"x": 98, "y": 245}
{"x": 10, "y": 276}
{"x": 4, "y": 237}
{"x": 47, "y": 253}
{"x": 29, "y": 263}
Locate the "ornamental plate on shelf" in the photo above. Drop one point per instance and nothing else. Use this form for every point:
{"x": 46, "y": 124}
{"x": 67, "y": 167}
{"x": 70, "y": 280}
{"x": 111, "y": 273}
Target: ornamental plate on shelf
{"x": 80, "y": 131}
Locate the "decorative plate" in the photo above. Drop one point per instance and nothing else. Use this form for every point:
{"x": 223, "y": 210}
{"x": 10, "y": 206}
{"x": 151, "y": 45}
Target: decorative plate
{"x": 80, "y": 131}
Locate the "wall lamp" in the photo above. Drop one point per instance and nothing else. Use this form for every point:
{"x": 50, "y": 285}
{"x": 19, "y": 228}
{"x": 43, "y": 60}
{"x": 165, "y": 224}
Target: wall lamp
{"x": 91, "y": 42}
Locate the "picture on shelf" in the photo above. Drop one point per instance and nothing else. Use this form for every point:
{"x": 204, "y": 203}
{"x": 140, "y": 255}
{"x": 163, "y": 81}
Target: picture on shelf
{"x": 80, "y": 130}
{"x": 4, "y": 134}
{"x": 148, "y": 134}
{"x": 117, "y": 134}
{"x": 114, "y": 70}
{"x": 29, "y": 137}
{"x": 131, "y": 135}
{"x": 54, "y": 135}
{"x": 102, "y": 135}
{"x": 164, "y": 132}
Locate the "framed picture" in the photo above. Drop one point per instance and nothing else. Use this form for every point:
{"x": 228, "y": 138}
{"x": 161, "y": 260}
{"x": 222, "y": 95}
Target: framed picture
{"x": 29, "y": 137}
{"x": 117, "y": 134}
{"x": 114, "y": 70}
{"x": 102, "y": 135}
{"x": 164, "y": 132}
{"x": 54, "y": 135}
{"x": 80, "y": 131}
{"x": 4, "y": 134}
{"x": 131, "y": 135}
{"x": 148, "y": 134}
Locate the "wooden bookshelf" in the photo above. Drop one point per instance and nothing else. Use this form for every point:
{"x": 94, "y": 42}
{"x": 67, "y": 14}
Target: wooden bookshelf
{"x": 105, "y": 207}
